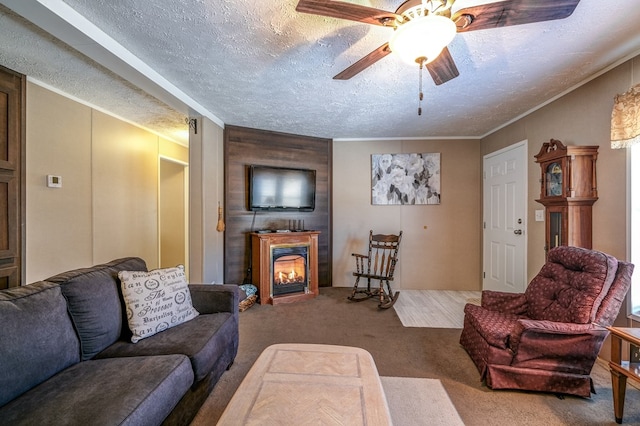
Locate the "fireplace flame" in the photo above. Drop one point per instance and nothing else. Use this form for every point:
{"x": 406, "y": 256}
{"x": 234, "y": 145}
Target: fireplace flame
{"x": 289, "y": 270}
{"x": 291, "y": 277}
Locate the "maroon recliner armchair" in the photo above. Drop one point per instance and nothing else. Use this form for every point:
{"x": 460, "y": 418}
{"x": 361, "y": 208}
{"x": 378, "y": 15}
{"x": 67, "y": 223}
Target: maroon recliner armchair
{"x": 548, "y": 338}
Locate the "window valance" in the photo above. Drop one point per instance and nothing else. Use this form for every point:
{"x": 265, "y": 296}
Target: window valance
{"x": 625, "y": 119}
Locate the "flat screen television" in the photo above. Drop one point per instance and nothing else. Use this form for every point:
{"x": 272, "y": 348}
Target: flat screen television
{"x": 281, "y": 189}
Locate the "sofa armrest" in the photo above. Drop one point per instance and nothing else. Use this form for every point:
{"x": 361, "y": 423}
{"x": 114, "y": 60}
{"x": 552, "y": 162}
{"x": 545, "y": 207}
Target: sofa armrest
{"x": 508, "y": 303}
{"x": 213, "y": 298}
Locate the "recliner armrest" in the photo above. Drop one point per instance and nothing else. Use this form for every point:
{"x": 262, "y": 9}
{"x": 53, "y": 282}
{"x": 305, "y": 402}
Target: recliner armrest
{"x": 551, "y": 327}
{"x": 557, "y": 340}
{"x": 213, "y": 298}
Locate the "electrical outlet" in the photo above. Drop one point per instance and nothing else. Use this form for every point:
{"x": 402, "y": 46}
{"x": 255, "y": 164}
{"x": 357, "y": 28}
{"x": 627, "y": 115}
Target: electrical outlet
{"x": 54, "y": 181}
{"x": 634, "y": 354}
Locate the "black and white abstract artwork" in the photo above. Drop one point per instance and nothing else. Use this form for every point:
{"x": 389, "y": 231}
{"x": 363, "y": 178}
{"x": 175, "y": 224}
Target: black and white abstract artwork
{"x": 405, "y": 179}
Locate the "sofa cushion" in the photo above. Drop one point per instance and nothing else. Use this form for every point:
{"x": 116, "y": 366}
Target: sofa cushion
{"x": 95, "y": 303}
{"x": 156, "y": 300}
{"x": 571, "y": 285}
{"x": 124, "y": 391}
{"x": 203, "y": 339}
{"x": 37, "y": 338}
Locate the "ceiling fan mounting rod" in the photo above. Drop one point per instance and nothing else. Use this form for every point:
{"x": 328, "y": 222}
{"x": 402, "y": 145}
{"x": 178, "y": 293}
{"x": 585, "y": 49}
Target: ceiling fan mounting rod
{"x": 413, "y": 9}
{"x": 436, "y": 5}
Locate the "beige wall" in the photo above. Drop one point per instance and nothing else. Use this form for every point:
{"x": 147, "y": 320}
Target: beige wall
{"x": 108, "y": 204}
{"x": 206, "y": 190}
{"x": 445, "y": 255}
{"x": 125, "y": 191}
{"x": 58, "y": 220}
{"x": 581, "y": 117}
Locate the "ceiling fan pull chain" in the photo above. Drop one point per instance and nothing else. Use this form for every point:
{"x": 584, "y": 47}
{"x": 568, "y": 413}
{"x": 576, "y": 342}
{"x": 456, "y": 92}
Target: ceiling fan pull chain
{"x": 420, "y": 95}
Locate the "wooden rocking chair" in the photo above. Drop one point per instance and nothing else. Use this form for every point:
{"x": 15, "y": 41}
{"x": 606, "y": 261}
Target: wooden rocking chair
{"x": 379, "y": 265}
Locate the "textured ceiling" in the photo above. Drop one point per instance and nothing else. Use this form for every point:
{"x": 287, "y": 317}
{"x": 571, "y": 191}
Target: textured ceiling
{"x": 261, "y": 64}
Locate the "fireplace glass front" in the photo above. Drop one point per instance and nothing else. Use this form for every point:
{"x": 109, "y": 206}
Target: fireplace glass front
{"x": 290, "y": 269}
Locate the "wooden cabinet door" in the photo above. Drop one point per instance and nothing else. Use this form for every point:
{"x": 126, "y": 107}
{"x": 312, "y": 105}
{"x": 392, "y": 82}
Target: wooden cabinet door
{"x": 11, "y": 158}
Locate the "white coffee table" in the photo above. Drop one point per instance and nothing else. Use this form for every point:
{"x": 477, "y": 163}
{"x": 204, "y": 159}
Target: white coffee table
{"x": 297, "y": 384}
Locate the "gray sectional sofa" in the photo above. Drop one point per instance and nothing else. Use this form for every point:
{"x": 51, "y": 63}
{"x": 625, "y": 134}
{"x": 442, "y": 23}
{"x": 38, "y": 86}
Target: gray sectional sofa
{"x": 66, "y": 357}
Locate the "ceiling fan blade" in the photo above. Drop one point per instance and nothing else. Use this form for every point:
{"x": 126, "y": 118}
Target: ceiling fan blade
{"x": 514, "y": 12}
{"x": 443, "y": 68}
{"x": 350, "y": 11}
{"x": 365, "y": 62}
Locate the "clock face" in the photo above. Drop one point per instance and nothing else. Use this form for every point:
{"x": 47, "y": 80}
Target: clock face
{"x": 554, "y": 180}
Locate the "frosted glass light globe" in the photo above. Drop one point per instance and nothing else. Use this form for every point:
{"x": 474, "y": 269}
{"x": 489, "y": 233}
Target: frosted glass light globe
{"x": 423, "y": 37}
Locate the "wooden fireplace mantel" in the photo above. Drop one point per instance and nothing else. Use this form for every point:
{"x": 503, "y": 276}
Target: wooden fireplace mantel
{"x": 261, "y": 273}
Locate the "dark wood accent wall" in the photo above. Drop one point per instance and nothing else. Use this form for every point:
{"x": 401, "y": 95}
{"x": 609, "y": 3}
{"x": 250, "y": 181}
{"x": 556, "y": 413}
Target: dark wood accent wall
{"x": 243, "y": 147}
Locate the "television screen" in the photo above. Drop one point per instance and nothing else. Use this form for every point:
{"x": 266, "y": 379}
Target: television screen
{"x": 281, "y": 189}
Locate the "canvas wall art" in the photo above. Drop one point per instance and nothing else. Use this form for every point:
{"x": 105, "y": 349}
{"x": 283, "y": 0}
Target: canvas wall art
{"x": 405, "y": 179}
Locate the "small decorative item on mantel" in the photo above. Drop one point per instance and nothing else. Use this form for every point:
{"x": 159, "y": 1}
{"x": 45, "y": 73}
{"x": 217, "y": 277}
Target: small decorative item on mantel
{"x": 568, "y": 190}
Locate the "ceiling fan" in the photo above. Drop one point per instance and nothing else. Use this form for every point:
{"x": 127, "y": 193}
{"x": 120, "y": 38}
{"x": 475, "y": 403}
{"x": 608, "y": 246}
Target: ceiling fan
{"x": 424, "y": 28}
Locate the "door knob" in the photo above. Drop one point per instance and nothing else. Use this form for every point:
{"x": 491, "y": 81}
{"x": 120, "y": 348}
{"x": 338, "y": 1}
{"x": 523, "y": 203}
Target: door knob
{"x": 518, "y": 232}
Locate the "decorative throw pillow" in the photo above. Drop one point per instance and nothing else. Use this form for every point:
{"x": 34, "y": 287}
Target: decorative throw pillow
{"x": 156, "y": 300}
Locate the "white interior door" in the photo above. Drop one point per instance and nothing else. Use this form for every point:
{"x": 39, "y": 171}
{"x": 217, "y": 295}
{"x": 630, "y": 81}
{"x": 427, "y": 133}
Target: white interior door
{"x": 504, "y": 217}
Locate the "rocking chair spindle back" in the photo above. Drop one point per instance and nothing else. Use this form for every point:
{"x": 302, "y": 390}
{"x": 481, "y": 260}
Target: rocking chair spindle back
{"x": 383, "y": 252}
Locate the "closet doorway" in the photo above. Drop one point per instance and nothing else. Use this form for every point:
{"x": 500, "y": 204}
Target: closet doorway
{"x": 172, "y": 213}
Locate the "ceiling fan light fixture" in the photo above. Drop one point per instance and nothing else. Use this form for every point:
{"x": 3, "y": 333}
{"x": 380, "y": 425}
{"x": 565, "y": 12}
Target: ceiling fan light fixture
{"x": 423, "y": 37}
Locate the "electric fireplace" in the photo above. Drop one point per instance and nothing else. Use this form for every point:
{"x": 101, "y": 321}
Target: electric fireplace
{"x": 285, "y": 265}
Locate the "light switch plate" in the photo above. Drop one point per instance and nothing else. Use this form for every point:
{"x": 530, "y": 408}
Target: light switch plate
{"x": 539, "y": 215}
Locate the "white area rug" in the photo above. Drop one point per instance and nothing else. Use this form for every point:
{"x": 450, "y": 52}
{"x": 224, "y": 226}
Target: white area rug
{"x": 414, "y": 401}
{"x": 433, "y": 308}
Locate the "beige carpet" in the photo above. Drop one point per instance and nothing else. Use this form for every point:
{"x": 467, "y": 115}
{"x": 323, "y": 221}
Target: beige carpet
{"x": 414, "y": 401}
{"x": 412, "y": 352}
{"x": 433, "y": 308}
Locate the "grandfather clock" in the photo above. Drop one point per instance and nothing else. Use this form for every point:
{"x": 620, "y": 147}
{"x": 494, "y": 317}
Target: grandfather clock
{"x": 568, "y": 190}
